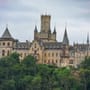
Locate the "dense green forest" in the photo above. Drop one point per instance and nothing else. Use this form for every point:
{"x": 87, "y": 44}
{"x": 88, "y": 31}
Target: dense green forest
{"x": 27, "y": 75}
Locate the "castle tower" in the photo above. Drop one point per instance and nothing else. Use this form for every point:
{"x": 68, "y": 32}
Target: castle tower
{"x": 45, "y": 23}
{"x": 6, "y": 42}
{"x": 45, "y": 33}
{"x": 65, "y": 38}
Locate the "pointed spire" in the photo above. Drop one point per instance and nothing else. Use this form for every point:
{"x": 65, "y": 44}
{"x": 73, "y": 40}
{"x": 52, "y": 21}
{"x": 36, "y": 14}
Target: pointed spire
{"x": 6, "y": 25}
{"x": 65, "y": 38}
{"x": 6, "y": 33}
{"x": 54, "y": 32}
{"x": 88, "y": 38}
{"x": 35, "y": 30}
{"x": 87, "y": 44}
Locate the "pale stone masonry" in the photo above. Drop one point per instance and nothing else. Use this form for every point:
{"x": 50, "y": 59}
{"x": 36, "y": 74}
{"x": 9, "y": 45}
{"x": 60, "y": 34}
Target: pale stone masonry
{"x": 45, "y": 47}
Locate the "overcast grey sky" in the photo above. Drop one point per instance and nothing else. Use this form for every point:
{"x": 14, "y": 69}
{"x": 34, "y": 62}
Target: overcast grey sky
{"x": 22, "y": 16}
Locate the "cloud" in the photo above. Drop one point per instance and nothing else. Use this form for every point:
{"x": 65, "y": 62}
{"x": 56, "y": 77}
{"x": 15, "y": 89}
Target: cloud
{"x": 26, "y": 13}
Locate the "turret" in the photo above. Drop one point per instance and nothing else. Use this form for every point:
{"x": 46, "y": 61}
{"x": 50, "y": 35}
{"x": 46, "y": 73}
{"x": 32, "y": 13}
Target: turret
{"x": 88, "y": 39}
{"x": 35, "y": 30}
{"x": 65, "y": 38}
{"x": 54, "y": 32}
{"x": 7, "y": 43}
{"x": 35, "y": 33}
{"x": 6, "y": 34}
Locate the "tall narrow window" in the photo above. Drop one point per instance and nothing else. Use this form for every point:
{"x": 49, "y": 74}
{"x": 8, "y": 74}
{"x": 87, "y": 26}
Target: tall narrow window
{"x": 3, "y": 52}
{"x": 56, "y": 54}
{"x": 8, "y": 53}
{"x": 49, "y": 54}
{"x": 45, "y": 54}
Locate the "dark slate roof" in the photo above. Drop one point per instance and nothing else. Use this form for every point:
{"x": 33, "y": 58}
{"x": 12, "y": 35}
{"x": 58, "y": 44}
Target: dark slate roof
{"x": 54, "y": 32}
{"x": 65, "y": 38}
{"x": 53, "y": 45}
{"x": 35, "y": 30}
{"x": 6, "y": 35}
{"x": 82, "y": 47}
{"x": 22, "y": 46}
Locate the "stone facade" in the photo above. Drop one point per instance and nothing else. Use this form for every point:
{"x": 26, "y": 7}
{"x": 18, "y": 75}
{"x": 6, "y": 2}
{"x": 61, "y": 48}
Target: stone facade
{"x": 45, "y": 48}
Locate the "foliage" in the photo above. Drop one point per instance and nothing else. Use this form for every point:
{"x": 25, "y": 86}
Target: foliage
{"x": 28, "y": 75}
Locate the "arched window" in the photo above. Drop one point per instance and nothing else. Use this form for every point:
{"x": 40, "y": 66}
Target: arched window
{"x": 49, "y": 54}
{"x": 44, "y": 61}
{"x": 45, "y": 54}
{"x": 52, "y": 61}
{"x": 56, "y": 54}
{"x": 48, "y": 61}
{"x": 56, "y": 61}
{"x": 8, "y": 53}
{"x": 3, "y": 52}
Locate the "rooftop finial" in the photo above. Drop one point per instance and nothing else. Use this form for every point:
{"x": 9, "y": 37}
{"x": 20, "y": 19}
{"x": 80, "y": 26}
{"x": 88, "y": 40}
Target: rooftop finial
{"x": 65, "y": 25}
{"x": 46, "y": 12}
{"x": 6, "y": 25}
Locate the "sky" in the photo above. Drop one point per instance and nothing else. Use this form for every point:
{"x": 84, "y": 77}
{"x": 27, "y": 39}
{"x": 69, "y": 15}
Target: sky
{"x": 22, "y": 16}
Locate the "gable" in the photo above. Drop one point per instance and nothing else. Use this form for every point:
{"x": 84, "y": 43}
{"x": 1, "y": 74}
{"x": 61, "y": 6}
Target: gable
{"x": 35, "y": 45}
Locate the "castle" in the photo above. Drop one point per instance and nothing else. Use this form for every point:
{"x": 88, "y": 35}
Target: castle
{"x": 45, "y": 48}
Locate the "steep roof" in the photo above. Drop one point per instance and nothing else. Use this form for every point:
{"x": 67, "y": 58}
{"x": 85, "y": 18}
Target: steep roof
{"x": 65, "y": 38}
{"x": 22, "y": 46}
{"x": 6, "y": 34}
{"x": 52, "y": 45}
{"x": 35, "y": 30}
{"x": 54, "y": 32}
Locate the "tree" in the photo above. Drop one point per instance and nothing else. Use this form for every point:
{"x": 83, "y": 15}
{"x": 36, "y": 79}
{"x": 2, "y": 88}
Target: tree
{"x": 86, "y": 63}
{"x": 85, "y": 78}
{"x": 8, "y": 85}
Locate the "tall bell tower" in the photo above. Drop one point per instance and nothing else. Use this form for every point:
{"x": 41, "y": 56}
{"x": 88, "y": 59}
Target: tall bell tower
{"x": 45, "y": 23}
